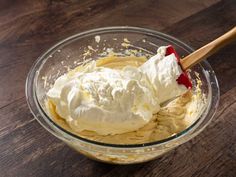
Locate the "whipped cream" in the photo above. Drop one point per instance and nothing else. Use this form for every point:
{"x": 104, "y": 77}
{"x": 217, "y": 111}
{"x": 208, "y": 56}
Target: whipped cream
{"x": 111, "y": 101}
{"x": 163, "y": 71}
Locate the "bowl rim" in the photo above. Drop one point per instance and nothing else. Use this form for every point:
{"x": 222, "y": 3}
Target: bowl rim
{"x": 33, "y": 102}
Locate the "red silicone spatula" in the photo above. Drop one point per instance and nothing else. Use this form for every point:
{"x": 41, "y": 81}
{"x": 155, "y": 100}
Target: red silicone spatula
{"x": 200, "y": 54}
{"x": 183, "y": 78}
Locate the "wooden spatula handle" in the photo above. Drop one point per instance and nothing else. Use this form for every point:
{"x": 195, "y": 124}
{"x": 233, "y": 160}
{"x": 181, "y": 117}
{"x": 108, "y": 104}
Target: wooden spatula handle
{"x": 208, "y": 49}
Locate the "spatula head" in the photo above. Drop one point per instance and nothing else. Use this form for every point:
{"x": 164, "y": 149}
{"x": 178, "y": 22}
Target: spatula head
{"x": 183, "y": 78}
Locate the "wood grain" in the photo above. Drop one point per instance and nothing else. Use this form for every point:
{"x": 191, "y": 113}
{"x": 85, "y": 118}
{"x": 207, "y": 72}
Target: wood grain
{"x": 207, "y": 50}
{"x": 27, "y": 28}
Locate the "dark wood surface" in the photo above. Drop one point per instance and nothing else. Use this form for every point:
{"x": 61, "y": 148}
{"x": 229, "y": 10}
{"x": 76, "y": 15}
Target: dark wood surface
{"x": 28, "y": 28}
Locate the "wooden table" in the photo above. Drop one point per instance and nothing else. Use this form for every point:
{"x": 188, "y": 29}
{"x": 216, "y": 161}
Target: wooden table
{"x": 28, "y": 28}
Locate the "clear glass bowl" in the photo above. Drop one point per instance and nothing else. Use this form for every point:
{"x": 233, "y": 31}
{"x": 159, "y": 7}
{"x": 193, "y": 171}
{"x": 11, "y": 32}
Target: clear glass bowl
{"x": 69, "y": 53}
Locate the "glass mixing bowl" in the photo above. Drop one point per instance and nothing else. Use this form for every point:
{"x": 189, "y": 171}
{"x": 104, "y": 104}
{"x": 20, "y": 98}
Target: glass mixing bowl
{"x": 91, "y": 45}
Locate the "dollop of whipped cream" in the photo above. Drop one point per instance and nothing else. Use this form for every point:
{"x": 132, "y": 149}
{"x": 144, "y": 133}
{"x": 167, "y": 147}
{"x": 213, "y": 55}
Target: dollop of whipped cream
{"x": 111, "y": 101}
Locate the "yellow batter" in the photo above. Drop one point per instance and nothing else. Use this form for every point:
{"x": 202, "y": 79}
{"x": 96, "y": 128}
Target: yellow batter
{"x": 173, "y": 117}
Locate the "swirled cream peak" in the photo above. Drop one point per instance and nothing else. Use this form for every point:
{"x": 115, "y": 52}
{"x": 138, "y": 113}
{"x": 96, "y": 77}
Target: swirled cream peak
{"x": 163, "y": 71}
{"x": 114, "y": 101}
